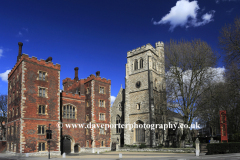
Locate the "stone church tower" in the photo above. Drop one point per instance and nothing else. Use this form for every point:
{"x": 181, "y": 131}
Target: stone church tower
{"x": 143, "y": 101}
{"x": 145, "y": 93}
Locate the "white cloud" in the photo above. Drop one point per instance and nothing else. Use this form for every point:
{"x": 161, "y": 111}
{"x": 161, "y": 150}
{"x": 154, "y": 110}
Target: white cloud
{"x": 4, "y": 75}
{"x": 217, "y": 1}
{"x": 112, "y": 99}
{"x": 229, "y": 11}
{"x": 1, "y": 52}
{"x": 27, "y": 40}
{"x": 185, "y": 14}
{"x": 19, "y": 33}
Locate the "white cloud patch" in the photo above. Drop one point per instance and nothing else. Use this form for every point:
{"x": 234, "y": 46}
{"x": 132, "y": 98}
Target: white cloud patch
{"x": 185, "y": 14}
{"x": 4, "y": 75}
{"x": 19, "y": 33}
{"x": 27, "y": 40}
{"x": 230, "y": 11}
{"x": 1, "y": 52}
{"x": 112, "y": 99}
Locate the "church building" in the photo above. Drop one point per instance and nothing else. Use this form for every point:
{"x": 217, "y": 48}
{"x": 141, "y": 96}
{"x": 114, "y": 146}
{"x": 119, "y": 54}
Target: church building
{"x": 143, "y": 101}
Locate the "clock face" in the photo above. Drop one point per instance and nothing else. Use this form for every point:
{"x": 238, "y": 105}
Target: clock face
{"x": 138, "y": 84}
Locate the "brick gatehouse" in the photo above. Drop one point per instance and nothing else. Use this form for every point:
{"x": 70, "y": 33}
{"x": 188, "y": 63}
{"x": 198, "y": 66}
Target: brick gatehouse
{"x": 35, "y": 101}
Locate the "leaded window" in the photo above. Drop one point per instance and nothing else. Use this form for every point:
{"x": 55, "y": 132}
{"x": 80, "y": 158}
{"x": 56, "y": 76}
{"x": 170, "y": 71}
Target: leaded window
{"x": 69, "y": 112}
{"x": 41, "y": 146}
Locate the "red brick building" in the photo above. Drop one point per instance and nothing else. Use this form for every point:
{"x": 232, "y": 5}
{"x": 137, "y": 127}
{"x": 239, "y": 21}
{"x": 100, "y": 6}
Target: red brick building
{"x": 35, "y": 101}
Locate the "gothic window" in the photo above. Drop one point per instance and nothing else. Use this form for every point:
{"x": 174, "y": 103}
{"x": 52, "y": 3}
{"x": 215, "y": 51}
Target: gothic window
{"x": 41, "y": 109}
{"x": 42, "y": 92}
{"x": 135, "y": 65}
{"x": 118, "y": 121}
{"x": 102, "y": 116}
{"x": 140, "y": 132}
{"x": 69, "y": 112}
{"x": 141, "y": 63}
{"x": 42, "y": 75}
{"x": 101, "y": 103}
{"x": 87, "y": 131}
{"x": 41, "y": 146}
{"x": 41, "y": 129}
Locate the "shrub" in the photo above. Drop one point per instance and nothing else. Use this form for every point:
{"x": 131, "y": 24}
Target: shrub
{"x": 143, "y": 145}
{"x": 216, "y": 148}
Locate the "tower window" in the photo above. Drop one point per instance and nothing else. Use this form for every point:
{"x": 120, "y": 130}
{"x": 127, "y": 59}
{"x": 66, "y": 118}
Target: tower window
{"x": 41, "y": 109}
{"x": 42, "y": 92}
{"x": 102, "y": 116}
{"x": 41, "y": 129}
{"x": 138, "y": 106}
{"x": 87, "y": 90}
{"x": 87, "y": 131}
{"x": 101, "y": 130}
{"x": 135, "y": 65}
{"x": 101, "y": 103}
{"x": 101, "y": 90}
{"x": 87, "y": 143}
{"x": 141, "y": 63}
{"x": 42, "y": 75}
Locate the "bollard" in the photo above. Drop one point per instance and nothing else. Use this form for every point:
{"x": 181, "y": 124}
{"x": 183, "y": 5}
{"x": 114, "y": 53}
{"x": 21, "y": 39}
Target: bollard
{"x": 97, "y": 152}
{"x": 92, "y": 150}
{"x": 120, "y": 155}
{"x": 197, "y": 147}
{"x": 27, "y": 155}
{"x": 64, "y": 155}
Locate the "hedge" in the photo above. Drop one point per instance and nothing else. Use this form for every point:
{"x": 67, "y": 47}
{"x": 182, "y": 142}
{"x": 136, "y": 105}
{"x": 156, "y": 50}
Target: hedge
{"x": 216, "y": 148}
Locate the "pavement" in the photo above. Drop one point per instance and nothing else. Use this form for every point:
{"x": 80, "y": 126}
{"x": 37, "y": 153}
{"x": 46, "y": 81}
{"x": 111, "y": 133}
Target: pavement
{"x": 129, "y": 155}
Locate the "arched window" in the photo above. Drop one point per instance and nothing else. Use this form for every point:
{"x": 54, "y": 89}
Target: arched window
{"x": 141, "y": 63}
{"x": 135, "y": 65}
{"x": 68, "y": 112}
{"x": 140, "y": 132}
{"x": 118, "y": 121}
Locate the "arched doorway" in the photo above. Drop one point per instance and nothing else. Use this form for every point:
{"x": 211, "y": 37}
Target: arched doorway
{"x": 139, "y": 132}
{"x": 76, "y": 148}
{"x": 66, "y": 145}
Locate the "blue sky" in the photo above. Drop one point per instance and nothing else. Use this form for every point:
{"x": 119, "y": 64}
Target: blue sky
{"x": 95, "y": 35}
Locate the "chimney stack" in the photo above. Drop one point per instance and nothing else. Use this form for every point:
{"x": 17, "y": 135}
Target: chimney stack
{"x": 49, "y": 59}
{"x": 20, "y": 44}
{"x": 76, "y": 73}
{"x": 98, "y": 74}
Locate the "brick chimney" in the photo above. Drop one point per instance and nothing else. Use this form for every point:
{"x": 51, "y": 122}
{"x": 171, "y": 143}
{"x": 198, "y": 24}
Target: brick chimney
{"x": 49, "y": 59}
{"x": 98, "y": 74}
{"x": 76, "y": 73}
{"x": 20, "y": 44}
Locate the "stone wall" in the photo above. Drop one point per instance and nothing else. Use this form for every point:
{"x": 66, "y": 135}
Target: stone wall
{"x": 164, "y": 150}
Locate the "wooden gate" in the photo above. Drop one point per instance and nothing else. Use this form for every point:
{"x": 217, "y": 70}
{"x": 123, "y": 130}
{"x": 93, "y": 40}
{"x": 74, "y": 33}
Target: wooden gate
{"x": 66, "y": 145}
{"x": 113, "y": 148}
